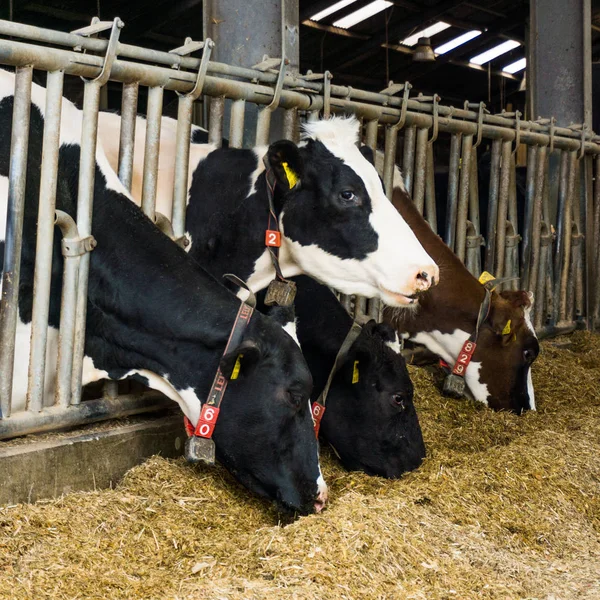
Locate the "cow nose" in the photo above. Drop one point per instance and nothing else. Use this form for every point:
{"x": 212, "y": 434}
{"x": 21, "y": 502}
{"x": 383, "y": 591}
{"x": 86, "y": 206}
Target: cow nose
{"x": 321, "y": 496}
{"x": 426, "y": 277}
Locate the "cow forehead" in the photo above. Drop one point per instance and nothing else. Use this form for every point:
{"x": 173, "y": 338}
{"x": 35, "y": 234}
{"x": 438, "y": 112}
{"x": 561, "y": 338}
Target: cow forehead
{"x": 339, "y": 135}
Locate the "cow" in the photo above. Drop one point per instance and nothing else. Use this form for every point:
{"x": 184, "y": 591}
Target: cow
{"x": 154, "y": 315}
{"x": 499, "y": 373}
{"x": 335, "y": 221}
{"x": 369, "y": 419}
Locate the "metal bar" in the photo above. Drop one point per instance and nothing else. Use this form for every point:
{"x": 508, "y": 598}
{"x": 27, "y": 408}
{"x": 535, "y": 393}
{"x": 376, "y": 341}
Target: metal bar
{"x": 152, "y": 150}
{"x": 129, "y": 104}
{"x": 430, "y": 190}
{"x": 545, "y": 241}
{"x": 474, "y": 193}
{"x": 14, "y": 234}
{"x": 389, "y": 160}
{"x": 567, "y": 216}
{"x": 66, "y": 337}
{"x": 463, "y": 198}
{"x": 595, "y": 256}
{"x": 529, "y": 202}
{"x": 85, "y": 201}
{"x": 502, "y": 208}
{"x": 408, "y": 159}
{"x": 236, "y": 124}
{"x": 452, "y": 201}
{"x": 371, "y": 135}
{"x": 91, "y": 411}
{"x": 185, "y": 107}
{"x": 290, "y": 124}
{"x": 420, "y": 166}
{"x": 490, "y": 248}
{"x": 536, "y": 219}
{"x": 44, "y": 243}
{"x": 215, "y": 121}
{"x": 562, "y": 201}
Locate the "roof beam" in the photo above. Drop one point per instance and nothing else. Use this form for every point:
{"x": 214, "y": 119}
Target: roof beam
{"x": 335, "y": 30}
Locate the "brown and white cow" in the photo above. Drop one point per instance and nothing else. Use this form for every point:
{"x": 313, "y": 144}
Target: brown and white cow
{"x": 499, "y": 374}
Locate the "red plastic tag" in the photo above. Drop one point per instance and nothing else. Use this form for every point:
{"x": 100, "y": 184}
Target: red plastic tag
{"x": 317, "y": 412}
{"x": 272, "y": 238}
{"x": 464, "y": 358}
{"x": 207, "y": 421}
{"x": 189, "y": 428}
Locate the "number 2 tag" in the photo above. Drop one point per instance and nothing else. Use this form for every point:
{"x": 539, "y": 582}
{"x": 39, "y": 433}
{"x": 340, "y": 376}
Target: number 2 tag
{"x": 272, "y": 238}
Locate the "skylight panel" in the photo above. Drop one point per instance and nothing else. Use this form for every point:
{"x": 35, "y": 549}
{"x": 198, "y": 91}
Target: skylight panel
{"x": 427, "y": 32}
{"x": 515, "y": 67}
{"x": 362, "y": 13}
{"x": 495, "y": 52}
{"x": 331, "y": 9}
{"x": 457, "y": 41}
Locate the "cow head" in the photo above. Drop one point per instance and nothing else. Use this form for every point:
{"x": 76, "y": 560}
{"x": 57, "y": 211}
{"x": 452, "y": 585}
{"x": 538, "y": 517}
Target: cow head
{"x": 370, "y": 418}
{"x": 338, "y": 225}
{"x": 500, "y": 374}
{"x": 264, "y": 434}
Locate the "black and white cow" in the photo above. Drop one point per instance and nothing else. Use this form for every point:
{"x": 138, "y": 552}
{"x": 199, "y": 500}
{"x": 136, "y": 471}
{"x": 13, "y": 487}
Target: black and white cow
{"x": 336, "y": 222}
{"x": 156, "y": 316}
{"x": 370, "y": 419}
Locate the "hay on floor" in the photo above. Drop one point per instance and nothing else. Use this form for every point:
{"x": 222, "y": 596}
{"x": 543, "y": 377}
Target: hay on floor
{"x": 503, "y": 507}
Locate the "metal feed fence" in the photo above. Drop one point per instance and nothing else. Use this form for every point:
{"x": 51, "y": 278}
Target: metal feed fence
{"x": 556, "y": 255}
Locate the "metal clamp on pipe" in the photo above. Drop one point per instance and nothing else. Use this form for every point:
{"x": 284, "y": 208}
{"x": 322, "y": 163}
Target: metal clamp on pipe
{"x": 482, "y": 111}
{"x": 72, "y": 244}
{"x": 263, "y": 122}
{"x": 188, "y": 47}
{"x": 96, "y": 27}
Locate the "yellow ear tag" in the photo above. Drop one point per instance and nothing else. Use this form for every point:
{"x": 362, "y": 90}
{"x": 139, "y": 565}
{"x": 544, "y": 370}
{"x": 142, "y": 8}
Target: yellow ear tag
{"x": 236, "y": 368}
{"x": 355, "y": 372}
{"x": 291, "y": 176}
{"x": 506, "y": 329}
{"x": 485, "y": 277}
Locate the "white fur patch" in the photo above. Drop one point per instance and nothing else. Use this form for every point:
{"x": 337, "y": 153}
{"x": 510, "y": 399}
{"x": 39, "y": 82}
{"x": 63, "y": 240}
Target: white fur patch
{"x": 290, "y": 329}
{"x": 527, "y": 315}
{"x": 395, "y": 346}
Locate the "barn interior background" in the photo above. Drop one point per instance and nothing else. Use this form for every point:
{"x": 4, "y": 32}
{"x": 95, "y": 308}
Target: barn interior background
{"x": 504, "y": 162}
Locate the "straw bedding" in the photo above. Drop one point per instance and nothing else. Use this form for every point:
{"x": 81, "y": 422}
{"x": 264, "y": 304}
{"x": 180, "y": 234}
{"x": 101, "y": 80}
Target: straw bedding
{"x": 503, "y": 507}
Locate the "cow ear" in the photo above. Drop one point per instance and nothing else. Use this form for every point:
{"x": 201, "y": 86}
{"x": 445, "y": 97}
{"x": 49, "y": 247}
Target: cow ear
{"x": 367, "y": 152}
{"x": 286, "y": 162}
{"x": 240, "y": 361}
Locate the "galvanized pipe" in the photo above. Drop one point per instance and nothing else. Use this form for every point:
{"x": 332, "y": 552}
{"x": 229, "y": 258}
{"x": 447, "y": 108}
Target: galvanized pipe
{"x": 263, "y": 127}
{"x": 453, "y": 179}
{"x": 85, "y": 202}
{"x": 511, "y": 258}
{"x": 463, "y": 198}
{"x": 290, "y": 125}
{"x": 430, "y": 190}
{"x": 473, "y": 253}
{"x": 542, "y": 292}
{"x": 529, "y": 202}
{"x": 389, "y": 160}
{"x": 596, "y": 245}
{"x": 17, "y": 175}
{"x": 490, "y": 247}
{"x": 577, "y": 272}
{"x": 502, "y": 208}
{"x": 236, "y": 124}
{"x": 420, "y": 166}
{"x": 536, "y": 219}
{"x": 408, "y": 160}
{"x": 129, "y": 104}
{"x": 66, "y": 337}
{"x": 474, "y": 193}
{"x": 567, "y": 228}
{"x": 152, "y": 150}
{"x": 45, "y": 242}
{"x": 215, "y": 121}
{"x": 371, "y": 134}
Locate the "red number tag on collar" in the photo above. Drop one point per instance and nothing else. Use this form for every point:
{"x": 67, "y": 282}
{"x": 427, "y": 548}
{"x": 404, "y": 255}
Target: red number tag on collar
{"x": 317, "y": 411}
{"x": 272, "y": 238}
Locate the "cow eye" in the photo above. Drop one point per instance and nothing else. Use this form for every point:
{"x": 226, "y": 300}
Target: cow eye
{"x": 399, "y": 400}
{"x": 529, "y": 356}
{"x": 294, "y": 398}
{"x": 349, "y": 197}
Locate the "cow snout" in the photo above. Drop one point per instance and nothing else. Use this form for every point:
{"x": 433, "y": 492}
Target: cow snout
{"x": 426, "y": 277}
{"x": 322, "y": 496}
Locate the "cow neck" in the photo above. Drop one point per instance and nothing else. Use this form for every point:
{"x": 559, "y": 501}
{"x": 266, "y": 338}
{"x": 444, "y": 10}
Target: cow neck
{"x": 457, "y": 293}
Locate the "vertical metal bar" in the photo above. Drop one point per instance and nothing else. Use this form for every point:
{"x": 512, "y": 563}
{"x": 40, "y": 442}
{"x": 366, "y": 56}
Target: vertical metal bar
{"x": 532, "y": 152}
{"x": 512, "y": 196}
{"x": 129, "y": 103}
{"x": 463, "y": 199}
{"x": 490, "y": 249}
{"x": 545, "y": 240}
{"x": 536, "y": 219}
{"x": 420, "y": 164}
{"x": 567, "y": 228}
{"x": 9, "y": 305}
{"x": 360, "y": 306}
{"x": 590, "y": 248}
{"x": 346, "y": 302}
{"x": 44, "y": 243}
{"x": 290, "y": 124}
{"x": 408, "y": 159}
{"x": 64, "y": 369}
{"x": 502, "y": 207}
{"x": 389, "y": 160}
{"x": 185, "y": 107}
{"x": 236, "y": 124}
{"x": 430, "y": 190}
{"x": 375, "y": 309}
{"x": 452, "y": 201}
{"x": 263, "y": 126}
{"x": 151, "y": 150}
{"x": 85, "y": 203}
{"x": 595, "y": 255}
{"x": 473, "y": 253}
{"x": 474, "y": 193}
{"x": 371, "y": 134}
{"x": 215, "y": 121}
